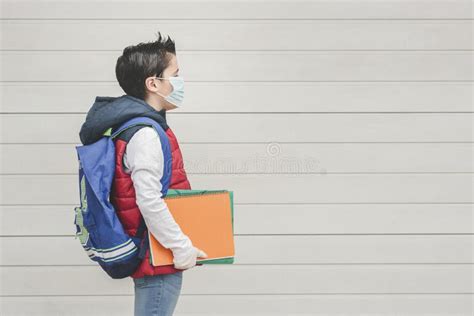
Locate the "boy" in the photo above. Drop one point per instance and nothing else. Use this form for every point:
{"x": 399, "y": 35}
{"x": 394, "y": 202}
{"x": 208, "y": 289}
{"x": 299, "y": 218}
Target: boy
{"x": 149, "y": 75}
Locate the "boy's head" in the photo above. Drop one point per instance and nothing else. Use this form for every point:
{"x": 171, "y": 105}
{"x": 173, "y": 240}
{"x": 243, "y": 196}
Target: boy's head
{"x": 136, "y": 71}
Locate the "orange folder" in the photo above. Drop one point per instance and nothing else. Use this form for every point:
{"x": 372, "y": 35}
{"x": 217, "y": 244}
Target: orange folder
{"x": 206, "y": 219}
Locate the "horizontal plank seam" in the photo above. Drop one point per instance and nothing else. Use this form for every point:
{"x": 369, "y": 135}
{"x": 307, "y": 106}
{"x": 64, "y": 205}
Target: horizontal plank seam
{"x": 231, "y": 83}
{"x": 266, "y": 142}
{"x": 92, "y": 265}
{"x": 261, "y": 264}
{"x": 106, "y": 18}
{"x": 289, "y": 203}
{"x": 250, "y": 81}
{"x": 274, "y": 172}
{"x": 256, "y": 112}
{"x": 283, "y": 234}
{"x": 252, "y": 50}
{"x": 253, "y": 294}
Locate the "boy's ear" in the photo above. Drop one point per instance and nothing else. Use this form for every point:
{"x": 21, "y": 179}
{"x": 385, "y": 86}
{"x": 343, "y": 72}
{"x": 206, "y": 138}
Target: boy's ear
{"x": 151, "y": 84}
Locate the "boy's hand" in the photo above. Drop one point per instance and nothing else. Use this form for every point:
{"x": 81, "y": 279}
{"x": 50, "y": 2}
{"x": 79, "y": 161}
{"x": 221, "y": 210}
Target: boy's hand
{"x": 187, "y": 260}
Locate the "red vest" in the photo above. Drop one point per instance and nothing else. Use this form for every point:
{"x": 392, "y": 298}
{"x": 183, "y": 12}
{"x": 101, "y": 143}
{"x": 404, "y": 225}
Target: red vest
{"x": 124, "y": 200}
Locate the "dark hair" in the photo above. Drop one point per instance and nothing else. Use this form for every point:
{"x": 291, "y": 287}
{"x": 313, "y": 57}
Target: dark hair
{"x": 141, "y": 61}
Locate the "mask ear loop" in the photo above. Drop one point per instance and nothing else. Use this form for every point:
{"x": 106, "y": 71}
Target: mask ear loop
{"x": 164, "y": 97}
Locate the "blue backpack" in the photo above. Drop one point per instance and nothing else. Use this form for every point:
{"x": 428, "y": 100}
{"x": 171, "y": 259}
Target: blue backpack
{"x": 97, "y": 225}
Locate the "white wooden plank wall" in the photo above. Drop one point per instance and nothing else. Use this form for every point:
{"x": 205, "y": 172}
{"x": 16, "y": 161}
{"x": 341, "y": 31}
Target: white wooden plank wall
{"x": 345, "y": 129}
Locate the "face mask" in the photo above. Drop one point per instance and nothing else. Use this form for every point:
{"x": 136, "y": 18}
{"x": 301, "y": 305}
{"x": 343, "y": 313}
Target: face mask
{"x": 176, "y": 96}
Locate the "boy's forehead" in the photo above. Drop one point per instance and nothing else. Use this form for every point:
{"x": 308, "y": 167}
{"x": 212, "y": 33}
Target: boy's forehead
{"x": 173, "y": 61}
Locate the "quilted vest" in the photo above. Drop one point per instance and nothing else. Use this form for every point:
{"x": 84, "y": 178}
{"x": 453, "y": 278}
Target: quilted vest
{"x": 124, "y": 200}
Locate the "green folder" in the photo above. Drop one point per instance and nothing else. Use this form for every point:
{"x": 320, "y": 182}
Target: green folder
{"x": 179, "y": 192}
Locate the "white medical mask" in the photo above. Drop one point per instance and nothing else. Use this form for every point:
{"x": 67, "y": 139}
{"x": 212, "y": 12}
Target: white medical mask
{"x": 176, "y": 96}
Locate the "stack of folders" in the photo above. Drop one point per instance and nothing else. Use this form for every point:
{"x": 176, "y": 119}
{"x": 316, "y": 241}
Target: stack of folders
{"x": 207, "y": 218}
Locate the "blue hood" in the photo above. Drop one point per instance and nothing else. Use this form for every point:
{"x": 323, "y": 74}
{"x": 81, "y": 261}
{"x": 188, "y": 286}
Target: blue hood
{"x": 109, "y": 112}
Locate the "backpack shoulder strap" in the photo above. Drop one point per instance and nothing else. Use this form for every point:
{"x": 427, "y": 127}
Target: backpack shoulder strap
{"x": 140, "y": 120}
{"x": 127, "y": 134}
{"x": 146, "y": 121}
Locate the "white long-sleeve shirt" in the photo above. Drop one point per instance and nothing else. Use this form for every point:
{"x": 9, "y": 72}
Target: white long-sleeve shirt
{"x": 143, "y": 159}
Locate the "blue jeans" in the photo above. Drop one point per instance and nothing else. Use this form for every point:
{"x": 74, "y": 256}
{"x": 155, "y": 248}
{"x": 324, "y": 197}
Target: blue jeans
{"x": 157, "y": 295}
